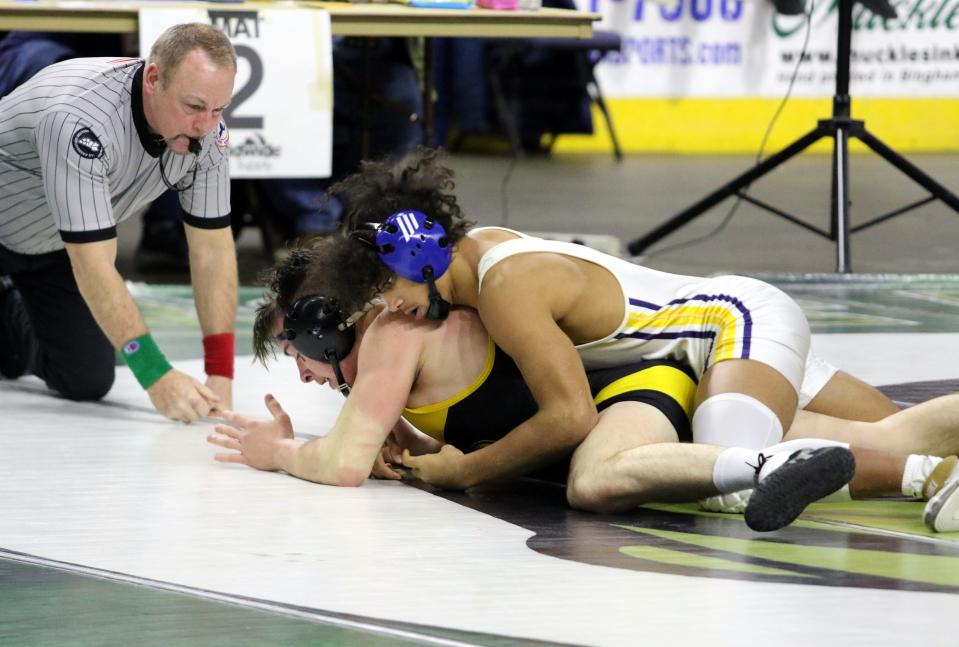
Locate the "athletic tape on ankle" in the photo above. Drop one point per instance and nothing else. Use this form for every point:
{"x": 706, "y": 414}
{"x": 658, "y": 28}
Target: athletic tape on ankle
{"x": 145, "y": 360}
{"x": 734, "y": 470}
{"x": 218, "y": 351}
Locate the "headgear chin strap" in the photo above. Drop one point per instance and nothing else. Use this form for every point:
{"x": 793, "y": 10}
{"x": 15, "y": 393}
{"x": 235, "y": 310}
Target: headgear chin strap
{"x": 317, "y": 329}
{"x": 439, "y": 308}
{"x": 416, "y": 247}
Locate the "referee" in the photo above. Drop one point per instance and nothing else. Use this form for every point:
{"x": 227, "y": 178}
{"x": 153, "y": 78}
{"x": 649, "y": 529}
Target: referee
{"x": 85, "y": 144}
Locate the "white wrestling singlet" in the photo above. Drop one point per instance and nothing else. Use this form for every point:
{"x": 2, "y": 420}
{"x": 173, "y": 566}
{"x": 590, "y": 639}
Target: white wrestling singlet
{"x": 699, "y": 321}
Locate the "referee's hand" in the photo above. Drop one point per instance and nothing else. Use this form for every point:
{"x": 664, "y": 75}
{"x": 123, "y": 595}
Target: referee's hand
{"x": 181, "y": 397}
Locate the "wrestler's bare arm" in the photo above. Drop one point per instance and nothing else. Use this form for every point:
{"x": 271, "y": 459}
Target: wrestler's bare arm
{"x": 522, "y": 299}
{"x": 388, "y": 361}
{"x": 407, "y": 437}
{"x": 387, "y": 366}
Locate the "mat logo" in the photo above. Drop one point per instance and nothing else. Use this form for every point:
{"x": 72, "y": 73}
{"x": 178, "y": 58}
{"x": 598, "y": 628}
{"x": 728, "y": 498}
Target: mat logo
{"x": 860, "y": 544}
{"x": 683, "y": 540}
{"x": 408, "y": 225}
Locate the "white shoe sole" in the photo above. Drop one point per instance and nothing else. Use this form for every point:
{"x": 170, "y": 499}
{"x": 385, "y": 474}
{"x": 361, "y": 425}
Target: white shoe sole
{"x": 732, "y": 503}
{"x": 941, "y": 514}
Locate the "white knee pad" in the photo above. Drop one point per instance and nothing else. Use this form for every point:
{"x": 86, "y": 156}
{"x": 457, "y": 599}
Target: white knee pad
{"x": 736, "y": 420}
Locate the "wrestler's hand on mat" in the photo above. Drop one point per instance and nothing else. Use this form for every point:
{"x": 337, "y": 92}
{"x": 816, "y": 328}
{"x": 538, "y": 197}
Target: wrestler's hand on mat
{"x": 223, "y": 388}
{"x": 256, "y": 440}
{"x": 403, "y": 437}
{"x": 388, "y": 455}
{"x": 392, "y": 451}
{"x": 382, "y": 469}
{"x": 442, "y": 469}
{"x": 181, "y": 397}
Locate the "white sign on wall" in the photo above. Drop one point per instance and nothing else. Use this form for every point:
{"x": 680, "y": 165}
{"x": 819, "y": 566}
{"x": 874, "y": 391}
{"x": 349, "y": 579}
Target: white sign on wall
{"x": 731, "y": 48}
{"x": 281, "y": 115}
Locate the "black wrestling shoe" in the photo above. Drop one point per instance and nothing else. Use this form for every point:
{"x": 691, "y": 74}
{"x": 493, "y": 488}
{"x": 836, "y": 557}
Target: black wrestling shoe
{"x": 807, "y": 476}
{"x": 12, "y": 364}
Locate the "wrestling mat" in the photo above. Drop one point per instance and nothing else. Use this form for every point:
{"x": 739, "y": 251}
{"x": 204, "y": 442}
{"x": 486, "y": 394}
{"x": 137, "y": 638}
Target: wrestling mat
{"x": 116, "y": 527}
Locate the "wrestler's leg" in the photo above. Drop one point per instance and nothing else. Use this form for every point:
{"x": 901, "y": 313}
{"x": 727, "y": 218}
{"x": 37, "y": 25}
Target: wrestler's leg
{"x": 785, "y": 488}
{"x": 743, "y": 403}
{"x": 787, "y": 485}
{"x": 845, "y": 396}
{"x": 931, "y": 427}
{"x": 611, "y": 473}
{"x": 631, "y": 457}
{"x": 877, "y": 473}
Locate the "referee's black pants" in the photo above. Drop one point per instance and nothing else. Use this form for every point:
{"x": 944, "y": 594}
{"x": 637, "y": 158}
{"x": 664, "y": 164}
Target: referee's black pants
{"x": 53, "y": 329}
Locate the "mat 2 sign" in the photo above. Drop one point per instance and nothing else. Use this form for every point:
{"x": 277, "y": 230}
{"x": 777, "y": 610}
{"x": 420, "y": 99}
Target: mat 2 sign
{"x": 254, "y": 152}
{"x": 280, "y": 115}
{"x": 236, "y": 25}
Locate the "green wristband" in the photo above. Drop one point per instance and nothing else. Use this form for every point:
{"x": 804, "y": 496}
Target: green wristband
{"x": 145, "y": 360}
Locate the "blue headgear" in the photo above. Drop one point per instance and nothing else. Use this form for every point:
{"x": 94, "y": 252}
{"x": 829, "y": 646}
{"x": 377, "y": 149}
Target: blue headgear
{"x": 409, "y": 242}
{"x": 416, "y": 247}
{"x": 317, "y": 329}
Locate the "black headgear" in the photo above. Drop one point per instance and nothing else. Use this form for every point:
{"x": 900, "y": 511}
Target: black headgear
{"x": 317, "y": 329}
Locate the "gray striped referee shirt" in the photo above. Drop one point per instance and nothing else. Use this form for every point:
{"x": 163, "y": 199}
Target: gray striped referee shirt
{"x": 77, "y": 157}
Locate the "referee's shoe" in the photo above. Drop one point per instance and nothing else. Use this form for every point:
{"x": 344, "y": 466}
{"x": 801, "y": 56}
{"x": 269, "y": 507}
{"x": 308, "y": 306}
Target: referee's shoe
{"x": 12, "y": 312}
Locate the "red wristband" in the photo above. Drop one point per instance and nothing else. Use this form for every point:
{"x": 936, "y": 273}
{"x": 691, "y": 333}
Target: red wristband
{"x": 218, "y": 354}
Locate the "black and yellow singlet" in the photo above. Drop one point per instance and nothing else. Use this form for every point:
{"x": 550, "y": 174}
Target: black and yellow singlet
{"x": 499, "y": 400}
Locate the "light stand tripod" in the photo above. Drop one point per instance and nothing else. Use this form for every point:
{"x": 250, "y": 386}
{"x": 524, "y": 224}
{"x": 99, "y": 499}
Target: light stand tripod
{"x": 840, "y": 127}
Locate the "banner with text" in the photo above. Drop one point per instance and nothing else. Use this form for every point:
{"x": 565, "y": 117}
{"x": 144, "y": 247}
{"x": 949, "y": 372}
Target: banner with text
{"x": 730, "y": 48}
{"x": 281, "y": 116}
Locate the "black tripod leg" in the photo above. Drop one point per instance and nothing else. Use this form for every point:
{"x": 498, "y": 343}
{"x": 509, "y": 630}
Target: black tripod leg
{"x": 907, "y": 167}
{"x": 840, "y": 200}
{"x": 733, "y": 187}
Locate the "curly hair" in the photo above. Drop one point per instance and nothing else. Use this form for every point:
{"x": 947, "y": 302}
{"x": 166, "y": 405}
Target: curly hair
{"x": 306, "y": 271}
{"x": 283, "y": 282}
{"x": 378, "y": 190}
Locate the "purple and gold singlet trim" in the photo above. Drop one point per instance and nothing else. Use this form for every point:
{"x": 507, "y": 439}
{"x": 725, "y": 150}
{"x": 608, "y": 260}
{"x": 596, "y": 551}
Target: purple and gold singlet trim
{"x": 688, "y": 319}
